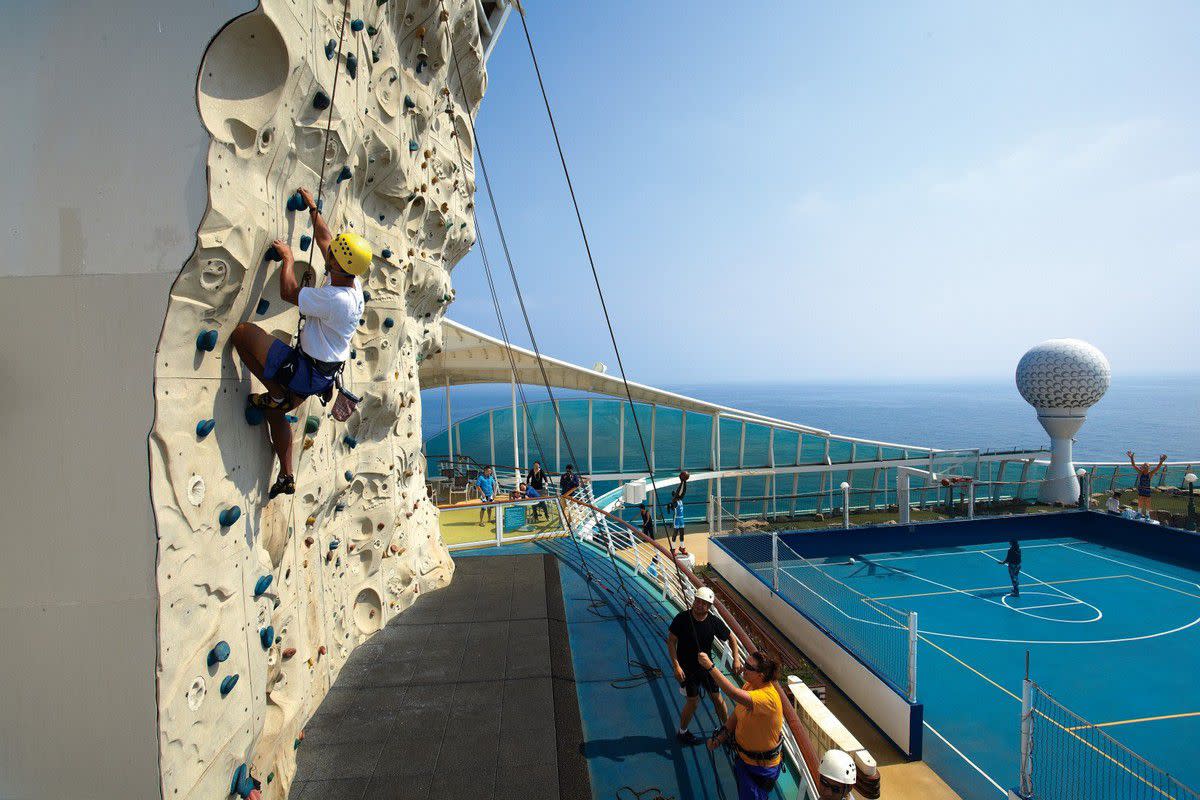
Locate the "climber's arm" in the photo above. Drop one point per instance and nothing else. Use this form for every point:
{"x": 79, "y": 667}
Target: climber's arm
{"x": 289, "y": 287}
{"x": 321, "y": 233}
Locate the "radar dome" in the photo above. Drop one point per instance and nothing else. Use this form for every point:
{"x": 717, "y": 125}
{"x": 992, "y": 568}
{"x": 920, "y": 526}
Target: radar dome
{"x": 1062, "y": 374}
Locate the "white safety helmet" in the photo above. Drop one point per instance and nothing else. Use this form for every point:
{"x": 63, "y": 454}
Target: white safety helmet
{"x": 706, "y": 594}
{"x": 838, "y": 766}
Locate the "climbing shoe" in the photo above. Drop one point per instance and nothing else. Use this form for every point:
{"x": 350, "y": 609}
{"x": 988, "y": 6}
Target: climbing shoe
{"x": 264, "y": 401}
{"x": 285, "y": 485}
{"x": 688, "y": 738}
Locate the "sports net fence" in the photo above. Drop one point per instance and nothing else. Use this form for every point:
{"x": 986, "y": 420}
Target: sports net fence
{"x": 1072, "y": 759}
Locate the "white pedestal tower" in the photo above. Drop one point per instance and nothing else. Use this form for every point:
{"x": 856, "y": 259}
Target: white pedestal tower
{"x": 1062, "y": 379}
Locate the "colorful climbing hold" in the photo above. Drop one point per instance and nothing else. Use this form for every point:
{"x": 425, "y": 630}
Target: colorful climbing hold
{"x": 352, "y": 66}
{"x": 311, "y": 424}
{"x": 387, "y": 253}
{"x": 344, "y": 175}
{"x": 266, "y": 636}
{"x": 322, "y": 650}
{"x": 353, "y": 353}
{"x": 272, "y": 254}
{"x": 242, "y": 784}
{"x": 372, "y": 30}
{"x": 331, "y": 49}
{"x": 296, "y": 202}
{"x": 289, "y": 652}
{"x": 228, "y": 683}
{"x": 321, "y": 101}
{"x": 292, "y": 419}
{"x": 308, "y": 541}
{"x": 204, "y": 427}
{"x": 219, "y": 653}
{"x": 229, "y": 516}
{"x": 206, "y": 341}
{"x": 357, "y": 25}
{"x": 263, "y": 583}
{"x": 334, "y": 544}
{"x": 388, "y": 322}
{"x": 375, "y": 56}
{"x": 305, "y": 241}
{"x": 413, "y": 146}
{"x": 367, "y": 294}
{"x": 349, "y": 475}
{"x": 408, "y": 103}
{"x": 254, "y": 415}
{"x": 263, "y": 305}
{"x": 349, "y": 441}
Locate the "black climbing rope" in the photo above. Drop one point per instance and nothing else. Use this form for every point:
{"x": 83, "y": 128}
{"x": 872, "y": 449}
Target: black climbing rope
{"x": 649, "y": 793}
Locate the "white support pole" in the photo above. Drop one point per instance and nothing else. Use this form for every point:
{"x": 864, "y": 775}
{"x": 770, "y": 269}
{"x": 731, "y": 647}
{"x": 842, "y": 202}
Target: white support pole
{"x": 902, "y": 495}
{"x": 682, "y": 439}
{"x": 499, "y": 511}
{"x": 653, "y": 414}
{"x": 717, "y": 468}
{"x": 775, "y": 561}
{"x": 912, "y": 656}
{"x": 516, "y": 443}
{"x": 970, "y": 499}
{"x": 1026, "y": 778}
{"x": 557, "y": 438}
{"x": 589, "y": 461}
{"x": 449, "y": 424}
{"x": 621, "y": 439}
{"x": 492, "y": 436}
{"x": 845, "y": 504}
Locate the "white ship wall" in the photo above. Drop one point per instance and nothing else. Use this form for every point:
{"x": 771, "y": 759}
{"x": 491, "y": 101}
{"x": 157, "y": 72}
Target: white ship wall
{"x": 107, "y": 183}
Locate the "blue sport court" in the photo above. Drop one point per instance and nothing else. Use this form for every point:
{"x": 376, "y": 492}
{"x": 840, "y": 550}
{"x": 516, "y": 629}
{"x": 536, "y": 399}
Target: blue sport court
{"x": 1109, "y": 613}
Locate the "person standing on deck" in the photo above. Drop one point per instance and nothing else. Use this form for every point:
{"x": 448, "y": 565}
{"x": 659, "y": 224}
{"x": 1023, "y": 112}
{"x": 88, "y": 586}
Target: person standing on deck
{"x": 537, "y": 480}
{"x": 756, "y": 725}
{"x": 568, "y": 481}
{"x": 647, "y": 522}
{"x": 1013, "y": 560}
{"x": 486, "y": 484}
{"x": 1143, "y": 482}
{"x": 293, "y": 374}
{"x": 691, "y": 634}
{"x": 676, "y": 509}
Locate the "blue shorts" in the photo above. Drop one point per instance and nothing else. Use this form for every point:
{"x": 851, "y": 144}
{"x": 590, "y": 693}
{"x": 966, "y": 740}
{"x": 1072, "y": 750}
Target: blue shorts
{"x": 755, "y": 782}
{"x": 287, "y": 366}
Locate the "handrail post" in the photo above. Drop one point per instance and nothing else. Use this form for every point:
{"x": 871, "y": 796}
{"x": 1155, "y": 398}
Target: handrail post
{"x": 499, "y": 525}
{"x": 1026, "y": 781}
{"x": 912, "y": 656}
{"x": 775, "y": 561}
{"x": 845, "y": 504}
{"x": 970, "y": 499}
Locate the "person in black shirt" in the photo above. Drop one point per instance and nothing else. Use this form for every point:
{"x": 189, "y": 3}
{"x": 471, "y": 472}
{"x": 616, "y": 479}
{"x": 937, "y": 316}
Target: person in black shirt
{"x": 568, "y": 480}
{"x": 647, "y": 522}
{"x": 537, "y": 479}
{"x": 693, "y": 632}
{"x": 1013, "y": 560}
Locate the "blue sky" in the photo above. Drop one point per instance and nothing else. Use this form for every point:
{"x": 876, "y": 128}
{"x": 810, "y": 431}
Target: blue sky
{"x": 803, "y": 192}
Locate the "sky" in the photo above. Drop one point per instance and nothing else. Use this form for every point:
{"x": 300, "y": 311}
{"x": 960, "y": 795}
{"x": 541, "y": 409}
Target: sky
{"x": 854, "y": 191}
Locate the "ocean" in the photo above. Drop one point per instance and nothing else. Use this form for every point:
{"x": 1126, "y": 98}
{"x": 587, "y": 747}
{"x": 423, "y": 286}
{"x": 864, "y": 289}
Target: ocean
{"x": 1148, "y": 415}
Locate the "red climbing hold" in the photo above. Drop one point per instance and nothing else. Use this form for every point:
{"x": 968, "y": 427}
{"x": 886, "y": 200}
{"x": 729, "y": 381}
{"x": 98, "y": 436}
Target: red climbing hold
{"x": 289, "y": 652}
{"x": 322, "y": 650}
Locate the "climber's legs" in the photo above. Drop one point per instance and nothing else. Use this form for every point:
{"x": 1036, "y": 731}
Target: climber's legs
{"x": 252, "y": 344}
{"x": 281, "y": 438}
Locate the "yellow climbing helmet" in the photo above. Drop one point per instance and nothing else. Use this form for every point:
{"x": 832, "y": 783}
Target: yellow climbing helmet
{"x": 351, "y": 252}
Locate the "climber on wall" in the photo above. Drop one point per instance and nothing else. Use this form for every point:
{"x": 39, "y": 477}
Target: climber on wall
{"x": 291, "y": 374}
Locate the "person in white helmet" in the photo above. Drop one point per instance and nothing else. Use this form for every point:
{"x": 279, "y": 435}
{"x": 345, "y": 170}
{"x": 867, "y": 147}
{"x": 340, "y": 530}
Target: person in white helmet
{"x": 836, "y": 776}
{"x": 691, "y": 634}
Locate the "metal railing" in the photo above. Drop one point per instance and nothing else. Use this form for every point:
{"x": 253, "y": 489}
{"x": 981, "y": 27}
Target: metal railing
{"x": 483, "y": 524}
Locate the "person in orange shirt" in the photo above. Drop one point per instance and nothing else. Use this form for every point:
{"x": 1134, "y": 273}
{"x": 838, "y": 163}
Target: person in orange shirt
{"x": 756, "y": 725}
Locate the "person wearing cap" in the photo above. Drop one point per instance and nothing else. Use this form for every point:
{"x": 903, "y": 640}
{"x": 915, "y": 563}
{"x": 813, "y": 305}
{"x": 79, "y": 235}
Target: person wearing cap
{"x": 691, "y": 635}
{"x": 331, "y": 312}
{"x": 756, "y": 727}
{"x": 836, "y": 776}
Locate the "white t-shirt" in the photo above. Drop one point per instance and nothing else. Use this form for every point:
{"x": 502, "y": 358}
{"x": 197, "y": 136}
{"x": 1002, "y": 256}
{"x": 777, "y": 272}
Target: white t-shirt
{"x": 333, "y": 313}
{"x": 1113, "y": 505}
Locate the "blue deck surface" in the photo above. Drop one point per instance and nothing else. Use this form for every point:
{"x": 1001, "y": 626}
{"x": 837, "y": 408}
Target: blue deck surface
{"x": 629, "y": 732}
{"x": 1112, "y": 634}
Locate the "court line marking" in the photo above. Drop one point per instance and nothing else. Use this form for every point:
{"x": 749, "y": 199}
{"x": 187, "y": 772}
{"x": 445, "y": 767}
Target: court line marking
{"x": 963, "y": 756}
{"x": 936, "y": 555}
{"x": 1134, "y": 721}
{"x": 1065, "y": 595}
{"x": 993, "y": 588}
{"x": 1187, "y": 583}
{"x": 1050, "y": 605}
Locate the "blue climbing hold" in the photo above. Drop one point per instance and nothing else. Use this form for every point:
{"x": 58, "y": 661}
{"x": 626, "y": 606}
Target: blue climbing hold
{"x": 321, "y": 101}
{"x": 366, "y": 294}
{"x": 291, "y": 418}
{"x": 331, "y": 49}
{"x": 357, "y": 25}
{"x": 267, "y": 636}
{"x": 242, "y": 784}
{"x": 413, "y": 146}
{"x": 333, "y": 545}
{"x": 206, "y": 341}
{"x": 362, "y": 321}
{"x": 264, "y": 583}
{"x": 227, "y": 685}
{"x": 229, "y": 516}
{"x": 305, "y": 241}
{"x": 388, "y": 322}
{"x": 353, "y": 353}
{"x": 272, "y": 254}
{"x": 263, "y": 305}
{"x": 386, "y": 253}
{"x": 312, "y": 424}
{"x": 375, "y": 56}
{"x": 408, "y": 102}
{"x": 372, "y": 30}
{"x": 344, "y": 175}
{"x": 352, "y": 65}
{"x": 296, "y": 202}
{"x": 219, "y": 653}
{"x": 205, "y": 426}
{"x": 254, "y": 416}
{"x": 350, "y": 441}
{"x": 349, "y": 475}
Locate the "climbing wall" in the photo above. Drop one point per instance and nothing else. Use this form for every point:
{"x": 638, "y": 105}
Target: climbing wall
{"x": 260, "y": 603}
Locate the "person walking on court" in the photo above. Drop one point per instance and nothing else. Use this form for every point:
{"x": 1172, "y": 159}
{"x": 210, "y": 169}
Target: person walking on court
{"x": 1013, "y": 560}
{"x": 693, "y": 632}
{"x": 755, "y": 727}
{"x": 1143, "y": 482}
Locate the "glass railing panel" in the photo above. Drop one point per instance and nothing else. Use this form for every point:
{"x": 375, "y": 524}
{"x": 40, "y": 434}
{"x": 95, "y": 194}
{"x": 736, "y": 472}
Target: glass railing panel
{"x": 575, "y": 430}
{"x": 531, "y": 518}
{"x": 667, "y": 434}
{"x": 471, "y": 438}
{"x": 892, "y": 453}
{"x": 785, "y": 447}
{"x": 606, "y": 422}
{"x": 758, "y": 446}
{"x": 840, "y": 451}
{"x": 635, "y": 459}
{"x": 731, "y": 442}
{"x": 698, "y": 446}
{"x": 812, "y": 449}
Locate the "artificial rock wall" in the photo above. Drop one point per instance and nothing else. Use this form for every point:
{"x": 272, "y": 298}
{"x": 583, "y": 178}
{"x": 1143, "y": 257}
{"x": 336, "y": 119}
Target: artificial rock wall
{"x": 260, "y": 603}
